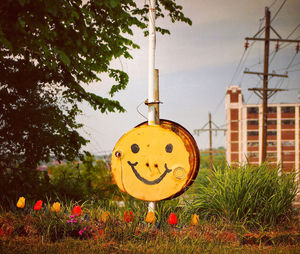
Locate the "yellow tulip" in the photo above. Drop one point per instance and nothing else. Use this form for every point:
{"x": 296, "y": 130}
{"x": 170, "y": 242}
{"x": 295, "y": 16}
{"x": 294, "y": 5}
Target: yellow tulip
{"x": 150, "y": 218}
{"x": 104, "y": 216}
{"x": 55, "y": 207}
{"x": 21, "y": 202}
{"x": 195, "y": 220}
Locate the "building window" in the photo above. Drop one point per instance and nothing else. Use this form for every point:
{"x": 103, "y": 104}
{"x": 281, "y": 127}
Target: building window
{"x": 288, "y": 143}
{"x": 252, "y": 133}
{"x": 272, "y": 155}
{"x": 252, "y": 110}
{"x": 271, "y": 122}
{"x": 252, "y": 144}
{"x": 271, "y": 143}
{"x": 253, "y": 155}
{"x": 288, "y": 110}
{"x": 252, "y": 122}
{"x": 271, "y": 133}
{"x": 288, "y": 122}
{"x": 272, "y": 110}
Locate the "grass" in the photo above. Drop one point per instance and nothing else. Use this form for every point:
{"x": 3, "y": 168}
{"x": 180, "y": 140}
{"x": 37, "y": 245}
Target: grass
{"x": 45, "y": 232}
{"x": 253, "y": 196}
{"x": 243, "y": 210}
{"x": 162, "y": 244}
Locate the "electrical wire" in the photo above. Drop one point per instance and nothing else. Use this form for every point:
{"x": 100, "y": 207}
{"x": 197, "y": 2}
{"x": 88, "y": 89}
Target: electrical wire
{"x": 272, "y": 4}
{"x": 278, "y": 11}
{"x": 137, "y": 109}
{"x": 289, "y": 43}
{"x": 294, "y": 70}
{"x": 238, "y": 66}
{"x": 294, "y": 30}
{"x": 241, "y": 64}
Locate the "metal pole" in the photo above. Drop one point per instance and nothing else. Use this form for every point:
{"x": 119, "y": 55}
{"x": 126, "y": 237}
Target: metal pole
{"x": 151, "y": 66}
{"x": 156, "y": 97}
{"x": 265, "y": 87}
{"x": 151, "y": 79}
{"x": 210, "y": 144}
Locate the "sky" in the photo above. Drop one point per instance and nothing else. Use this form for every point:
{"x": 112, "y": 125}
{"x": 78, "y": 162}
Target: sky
{"x": 196, "y": 64}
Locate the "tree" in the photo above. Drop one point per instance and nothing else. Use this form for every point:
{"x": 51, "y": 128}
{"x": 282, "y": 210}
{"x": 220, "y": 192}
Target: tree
{"x": 48, "y": 48}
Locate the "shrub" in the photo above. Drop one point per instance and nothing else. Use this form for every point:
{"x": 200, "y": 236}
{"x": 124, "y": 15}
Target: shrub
{"x": 246, "y": 194}
{"x": 88, "y": 180}
{"x": 21, "y": 181}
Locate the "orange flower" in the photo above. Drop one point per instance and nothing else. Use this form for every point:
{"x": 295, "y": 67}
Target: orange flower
{"x": 150, "y": 218}
{"x": 21, "y": 202}
{"x": 55, "y": 207}
{"x": 172, "y": 220}
{"x": 76, "y": 210}
{"x": 38, "y": 205}
{"x": 195, "y": 220}
{"x": 104, "y": 216}
{"x": 128, "y": 216}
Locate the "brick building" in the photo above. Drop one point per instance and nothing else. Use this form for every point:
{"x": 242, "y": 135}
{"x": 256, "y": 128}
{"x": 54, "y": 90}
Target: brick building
{"x": 244, "y": 135}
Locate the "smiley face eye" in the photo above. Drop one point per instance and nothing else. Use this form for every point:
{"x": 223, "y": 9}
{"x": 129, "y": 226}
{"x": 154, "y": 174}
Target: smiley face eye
{"x": 135, "y": 148}
{"x": 169, "y": 148}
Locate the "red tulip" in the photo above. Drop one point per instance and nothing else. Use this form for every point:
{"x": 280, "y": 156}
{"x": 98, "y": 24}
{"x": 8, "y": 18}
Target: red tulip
{"x": 38, "y": 205}
{"x": 76, "y": 210}
{"x": 172, "y": 220}
{"x": 128, "y": 216}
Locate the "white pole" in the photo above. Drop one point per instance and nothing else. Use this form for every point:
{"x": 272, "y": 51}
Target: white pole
{"x": 151, "y": 78}
{"x": 151, "y": 66}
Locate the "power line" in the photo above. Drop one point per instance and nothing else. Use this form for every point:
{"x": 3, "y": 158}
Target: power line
{"x": 237, "y": 68}
{"x": 278, "y": 11}
{"x": 289, "y": 43}
{"x": 293, "y": 31}
{"x": 294, "y": 70}
{"x": 272, "y": 4}
{"x": 249, "y": 47}
{"x": 266, "y": 92}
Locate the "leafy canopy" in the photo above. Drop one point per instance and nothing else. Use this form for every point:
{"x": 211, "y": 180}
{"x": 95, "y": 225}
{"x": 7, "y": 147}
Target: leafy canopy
{"x": 48, "y": 48}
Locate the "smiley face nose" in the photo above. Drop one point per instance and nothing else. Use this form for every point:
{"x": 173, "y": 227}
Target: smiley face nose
{"x": 153, "y": 167}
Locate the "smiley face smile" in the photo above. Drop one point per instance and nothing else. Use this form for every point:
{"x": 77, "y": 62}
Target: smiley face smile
{"x": 142, "y": 179}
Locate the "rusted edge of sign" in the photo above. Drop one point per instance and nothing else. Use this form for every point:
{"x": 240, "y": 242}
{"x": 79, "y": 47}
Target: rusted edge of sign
{"x": 191, "y": 147}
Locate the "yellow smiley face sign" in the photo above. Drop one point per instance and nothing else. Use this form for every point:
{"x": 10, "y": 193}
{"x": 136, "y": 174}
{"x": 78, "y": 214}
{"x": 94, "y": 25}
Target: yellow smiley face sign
{"x": 155, "y": 162}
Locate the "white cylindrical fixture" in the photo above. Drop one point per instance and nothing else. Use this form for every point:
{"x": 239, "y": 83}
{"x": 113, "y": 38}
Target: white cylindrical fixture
{"x": 151, "y": 78}
{"x": 151, "y": 66}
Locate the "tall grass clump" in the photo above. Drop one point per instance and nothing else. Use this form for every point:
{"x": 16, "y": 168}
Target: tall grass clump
{"x": 253, "y": 196}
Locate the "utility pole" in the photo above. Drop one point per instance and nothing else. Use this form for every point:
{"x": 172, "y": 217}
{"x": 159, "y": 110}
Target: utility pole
{"x": 210, "y": 130}
{"x": 265, "y": 92}
{"x": 210, "y": 142}
{"x": 265, "y": 86}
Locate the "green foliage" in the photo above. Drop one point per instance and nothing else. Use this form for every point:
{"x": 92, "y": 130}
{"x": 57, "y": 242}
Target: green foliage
{"x": 219, "y": 160}
{"x": 248, "y": 195}
{"x": 48, "y": 48}
{"x": 90, "y": 180}
{"x": 22, "y": 182}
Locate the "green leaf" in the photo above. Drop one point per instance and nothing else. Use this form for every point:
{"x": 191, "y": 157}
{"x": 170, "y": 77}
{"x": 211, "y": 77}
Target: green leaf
{"x": 114, "y": 3}
{"x": 64, "y": 57}
{"x": 22, "y": 2}
{"x": 6, "y": 43}
{"x": 75, "y": 14}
